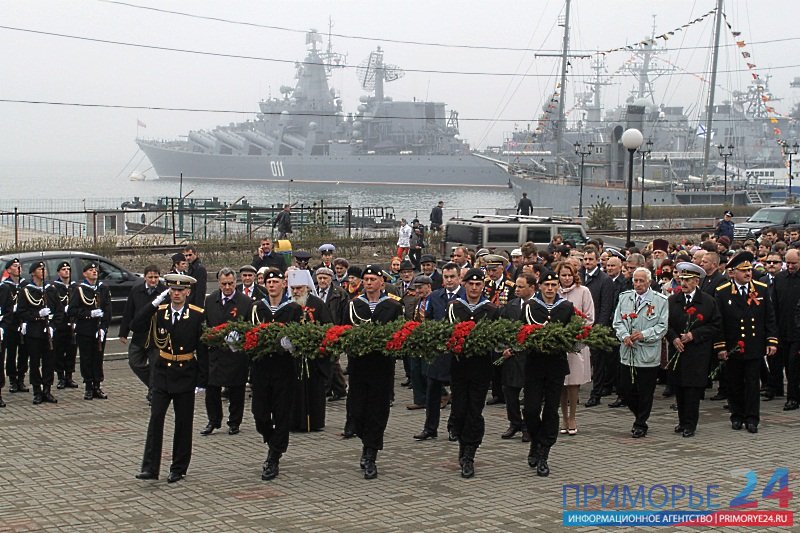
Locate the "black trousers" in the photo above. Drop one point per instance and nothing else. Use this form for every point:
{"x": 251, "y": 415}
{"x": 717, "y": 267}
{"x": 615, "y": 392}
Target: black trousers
{"x": 140, "y": 359}
{"x": 638, "y": 391}
{"x": 469, "y": 379}
{"x": 337, "y": 384}
{"x": 16, "y": 355}
{"x": 64, "y": 352}
{"x": 433, "y": 406}
{"x": 273, "y": 396}
{"x": 371, "y": 389}
{"x": 688, "y": 399}
{"x": 777, "y": 365}
{"x": 513, "y": 410}
{"x": 91, "y": 360}
{"x": 419, "y": 383}
{"x": 497, "y": 381}
{"x": 542, "y": 398}
{"x": 183, "y": 405}
{"x": 41, "y": 359}
{"x": 743, "y": 389}
{"x": 235, "y": 405}
{"x": 793, "y": 373}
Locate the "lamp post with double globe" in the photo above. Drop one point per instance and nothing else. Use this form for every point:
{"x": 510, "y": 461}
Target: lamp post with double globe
{"x": 790, "y": 151}
{"x": 725, "y": 153}
{"x": 631, "y": 139}
{"x": 582, "y": 151}
{"x": 645, "y": 151}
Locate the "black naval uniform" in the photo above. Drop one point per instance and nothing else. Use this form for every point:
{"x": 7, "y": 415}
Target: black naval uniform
{"x": 85, "y": 298}
{"x": 750, "y": 319}
{"x": 371, "y": 379}
{"x": 222, "y": 367}
{"x": 273, "y": 379}
{"x": 544, "y": 378}
{"x": 469, "y": 378}
{"x": 174, "y": 373}
{"x": 38, "y": 330}
{"x": 309, "y": 393}
{"x": 16, "y": 354}
{"x": 64, "y": 350}
{"x": 499, "y": 293}
{"x": 691, "y": 370}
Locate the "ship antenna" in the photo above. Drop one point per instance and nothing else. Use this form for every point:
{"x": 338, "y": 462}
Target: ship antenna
{"x": 710, "y": 112}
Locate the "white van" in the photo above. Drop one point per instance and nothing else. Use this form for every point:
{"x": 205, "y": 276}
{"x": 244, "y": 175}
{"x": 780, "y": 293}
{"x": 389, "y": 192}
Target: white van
{"x": 504, "y": 233}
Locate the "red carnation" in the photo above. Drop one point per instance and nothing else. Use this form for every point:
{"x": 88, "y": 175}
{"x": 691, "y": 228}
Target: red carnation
{"x": 699, "y": 317}
{"x": 691, "y": 310}
{"x": 460, "y": 332}
{"x": 580, "y": 313}
{"x": 740, "y": 345}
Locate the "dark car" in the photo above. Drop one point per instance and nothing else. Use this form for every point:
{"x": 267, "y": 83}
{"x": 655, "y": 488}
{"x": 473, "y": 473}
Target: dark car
{"x": 778, "y": 216}
{"x": 119, "y": 280}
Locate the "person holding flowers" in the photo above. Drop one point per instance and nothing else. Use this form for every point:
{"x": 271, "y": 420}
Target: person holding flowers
{"x": 748, "y": 317}
{"x": 272, "y": 376}
{"x": 544, "y": 372}
{"x": 469, "y": 376}
{"x": 694, "y": 323}
{"x": 640, "y": 322}
{"x": 371, "y": 375}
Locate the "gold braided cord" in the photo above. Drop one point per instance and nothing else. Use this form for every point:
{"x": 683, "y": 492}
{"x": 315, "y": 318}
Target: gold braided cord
{"x": 31, "y": 300}
{"x": 84, "y": 300}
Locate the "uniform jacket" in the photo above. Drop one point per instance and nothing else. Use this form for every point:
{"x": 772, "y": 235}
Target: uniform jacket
{"x": 83, "y": 298}
{"x": 62, "y": 291}
{"x": 138, "y": 298}
{"x": 258, "y": 291}
{"x": 222, "y": 367}
{"x": 280, "y": 363}
{"x": 8, "y": 302}
{"x": 388, "y": 309}
{"x": 750, "y": 319}
{"x": 439, "y": 368}
{"x": 31, "y": 299}
{"x": 691, "y": 367}
{"x": 182, "y": 337}
{"x": 499, "y": 296}
{"x": 651, "y": 319}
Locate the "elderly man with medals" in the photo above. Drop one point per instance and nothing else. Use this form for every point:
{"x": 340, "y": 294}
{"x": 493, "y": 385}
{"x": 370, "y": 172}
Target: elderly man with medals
{"x": 174, "y": 328}
{"x": 273, "y": 376}
{"x": 640, "y": 322}
{"x": 372, "y": 375}
{"x": 694, "y": 324}
{"x": 749, "y": 333}
{"x": 544, "y": 373}
{"x": 313, "y": 376}
{"x": 470, "y": 376}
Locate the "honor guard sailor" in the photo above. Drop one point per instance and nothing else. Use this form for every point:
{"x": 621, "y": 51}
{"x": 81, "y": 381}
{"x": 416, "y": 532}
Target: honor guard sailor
{"x": 174, "y": 328}
{"x": 16, "y": 355}
{"x": 63, "y": 347}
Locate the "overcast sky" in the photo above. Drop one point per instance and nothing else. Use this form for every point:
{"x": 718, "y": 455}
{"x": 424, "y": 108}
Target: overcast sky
{"x": 59, "y": 139}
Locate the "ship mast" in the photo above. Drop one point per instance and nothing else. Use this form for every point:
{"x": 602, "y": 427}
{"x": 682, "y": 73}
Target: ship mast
{"x": 710, "y": 110}
{"x": 562, "y": 92}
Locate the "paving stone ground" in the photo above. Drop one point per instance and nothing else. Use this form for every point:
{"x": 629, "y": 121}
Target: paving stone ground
{"x": 70, "y": 467}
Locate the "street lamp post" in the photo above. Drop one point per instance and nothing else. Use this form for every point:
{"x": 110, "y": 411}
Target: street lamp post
{"x": 582, "y": 151}
{"x": 725, "y": 153}
{"x": 790, "y": 151}
{"x": 631, "y": 140}
{"x": 648, "y": 147}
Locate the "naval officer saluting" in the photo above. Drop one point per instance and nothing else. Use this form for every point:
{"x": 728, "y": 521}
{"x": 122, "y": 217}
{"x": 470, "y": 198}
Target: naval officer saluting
{"x": 174, "y": 328}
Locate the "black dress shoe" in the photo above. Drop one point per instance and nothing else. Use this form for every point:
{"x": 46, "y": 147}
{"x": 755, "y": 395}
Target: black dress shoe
{"x": 425, "y": 435}
{"x": 718, "y": 397}
{"x": 88, "y": 395}
{"x": 99, "y": 394}
{"x": 406, "y": 383}
{"x": 688, "y": 433}
{"x": 526, "y": 437}
{"x": 668, "y": 392}
{"x": 348, "y": 434}
{"x": 2, "y": 403}
{"x": 768, "y": 396}
{"x": 62, "y": 384}
{"x": 147, "y": 475}
{"x": 592, "y": 401}
{"x": 752, "y": 428}
{"x": 495, "y": 400}
{"x": 233, "y": 430}
{"x": 37, "y": 399}
{"x": 619, "y": 402}
{"x": 679, "y": 428}
{"x": 21, "y": 387}
{"x": 509, "y": 433}
{"x": 48, "y": 397}
{"x": 638, "y": 433}
{"x": 542, "y": 469}
{"x": 68, "y": 383}
{"x": 13, "y": 387}
{"x": 791, "y": 405}
{"x": 451, "y": 435}
{"x": 174, "y": 477}
{"x": 673, "y": 406}
{"x": 209, "y": 429}
{"x": 736, "y": 425}
{"x": 337, "y": 397}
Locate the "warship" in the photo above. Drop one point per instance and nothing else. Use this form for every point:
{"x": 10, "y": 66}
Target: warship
{"x": 305, "y": 136}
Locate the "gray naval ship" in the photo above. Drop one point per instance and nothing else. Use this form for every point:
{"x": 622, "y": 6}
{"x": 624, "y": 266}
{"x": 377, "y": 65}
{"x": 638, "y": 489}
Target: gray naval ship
{"x": 305, "y": 136}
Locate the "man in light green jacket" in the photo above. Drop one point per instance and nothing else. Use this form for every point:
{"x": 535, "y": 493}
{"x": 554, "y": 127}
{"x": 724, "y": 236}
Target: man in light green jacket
{"x": 640, "y": 322}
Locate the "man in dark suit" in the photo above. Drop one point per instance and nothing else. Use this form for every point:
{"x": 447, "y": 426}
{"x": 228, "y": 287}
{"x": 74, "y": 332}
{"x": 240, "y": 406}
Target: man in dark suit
{"x": 141, "y": 295}
{"x": 336, "y": 299}
{"x": 710, "y": 262}
{"x": 222, "y": 367}
{"x": 611, "y": 370}
{"x": 175, "y": 330}
{"x": 602, "y": 289}
{"x": 266, "y": 257}
{"x": 785, "y": 293}
{"x": 694, "y": 324}
{"x": 197, "y": 270}
{"x": 749, "y": 333}
{"x": 248, "y": 285}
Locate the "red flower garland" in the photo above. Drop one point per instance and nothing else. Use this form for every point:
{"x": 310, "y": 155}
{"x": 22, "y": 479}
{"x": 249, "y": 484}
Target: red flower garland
{"x": 251, "y": 337}
{"x": 460, "y": 333}
{"x": 332, "y": 337}
{"x": 584, "y": 334}
{"x": 525, "y": 331}
{"x": 399, "y": 337}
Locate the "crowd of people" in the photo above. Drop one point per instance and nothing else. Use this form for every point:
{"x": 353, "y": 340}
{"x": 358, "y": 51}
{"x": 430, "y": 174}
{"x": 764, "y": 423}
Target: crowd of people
{"x": 686, "y": 315}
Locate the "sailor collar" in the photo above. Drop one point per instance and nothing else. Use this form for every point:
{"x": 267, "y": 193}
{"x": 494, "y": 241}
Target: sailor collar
{"x": 363, "y": 298}
{"x": 537, "y": 297}
{"x": 473, "y": 307}
{"x": 85, "y": 283}
{"x": 284, "y": 302}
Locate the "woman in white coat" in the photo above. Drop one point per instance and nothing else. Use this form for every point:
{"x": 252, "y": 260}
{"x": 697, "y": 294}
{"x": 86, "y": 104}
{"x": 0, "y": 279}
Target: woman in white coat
{"x": 580, "y": 367}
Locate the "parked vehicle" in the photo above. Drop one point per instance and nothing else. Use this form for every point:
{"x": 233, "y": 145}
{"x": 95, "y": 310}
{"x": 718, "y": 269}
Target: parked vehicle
{"x": 778, "y": 216}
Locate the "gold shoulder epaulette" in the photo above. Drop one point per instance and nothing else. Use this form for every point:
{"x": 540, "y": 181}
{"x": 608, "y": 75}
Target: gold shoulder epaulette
{"x": 510, "y": 283}
{"x": 163, "y": 306}
{"x": 196, "y": 308}
{"x": 759, "y": 283}
{"x": 724, "y": 286}
{"x": 394, "y": 296}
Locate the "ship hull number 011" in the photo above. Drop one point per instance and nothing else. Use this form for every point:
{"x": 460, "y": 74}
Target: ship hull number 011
{"x": 277, "y": 168}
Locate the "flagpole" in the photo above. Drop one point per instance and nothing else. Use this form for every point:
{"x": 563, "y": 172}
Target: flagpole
{"x": 710, "y": 110}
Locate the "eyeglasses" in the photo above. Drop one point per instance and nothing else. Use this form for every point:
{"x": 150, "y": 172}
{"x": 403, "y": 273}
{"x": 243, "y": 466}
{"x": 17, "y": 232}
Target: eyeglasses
{"x": 773, "y": 262}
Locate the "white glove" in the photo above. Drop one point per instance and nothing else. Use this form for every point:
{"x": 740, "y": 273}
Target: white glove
{"x": 231, "y": 339}
{"x": 97, "y": 313}
{"x": 66, "y": 308}
{"x": 101, "y": 335}
{"x": 23, "y": 328}
{"x": 287, "y": 345}
{"x": 160, "y": 298}
{"x": 44, "y": 312}
{"x": 2, "y": 334}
